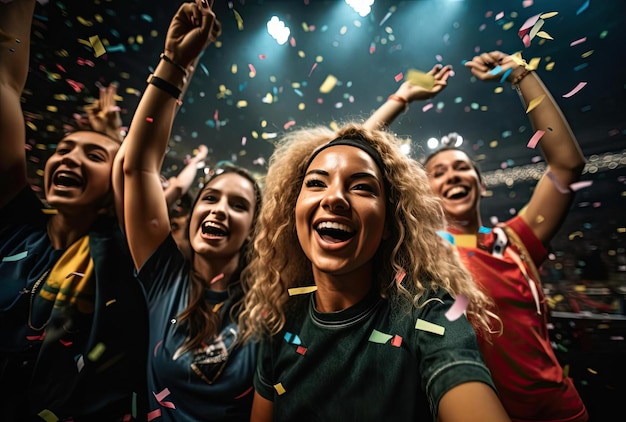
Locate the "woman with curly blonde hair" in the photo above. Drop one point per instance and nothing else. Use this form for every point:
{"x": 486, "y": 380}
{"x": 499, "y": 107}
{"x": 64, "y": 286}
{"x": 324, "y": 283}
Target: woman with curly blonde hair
{"x": 352, "y": 290}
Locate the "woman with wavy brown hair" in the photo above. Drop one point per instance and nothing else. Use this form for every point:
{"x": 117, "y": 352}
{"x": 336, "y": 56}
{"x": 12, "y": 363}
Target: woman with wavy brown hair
{"x": 348, "y": 287}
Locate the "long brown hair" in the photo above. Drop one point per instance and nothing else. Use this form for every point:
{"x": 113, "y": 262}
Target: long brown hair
{"x": 202, "y": 321}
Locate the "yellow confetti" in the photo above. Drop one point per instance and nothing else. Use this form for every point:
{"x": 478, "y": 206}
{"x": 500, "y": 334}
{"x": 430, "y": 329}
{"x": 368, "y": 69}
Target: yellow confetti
{"x": 96, "y": 352}
{"x": 429, "y": 327}
{"x": 49, "y": 211}
{"x": 548, "y": 15}
{"x": 233, "y": 69}
{"x": 544, "y": 35}
{"x": 534, "y": 63}
{"x": 550, "y": 66}
{"x": 592, "y": 371}
{"x": 420, "y": 78}
{"x": 508, "y": 26}
{"x": 110, "y": 302}
{"x": 242, "y": 104}
{"x": 280, "y": 389}
{"x": 301, "y": 290}
{"x": 534, "y": 103}
{"x": 465, "y": 240}
{"x": 97, "y": 45}
{"x": 48, "y": 416}
{"x": 587, "y": 54}
{"x": 84, "y": 21}
{"x": 539, "y": 219}
{"x": 328, "y": 84}
{"x": 239, "y": 20}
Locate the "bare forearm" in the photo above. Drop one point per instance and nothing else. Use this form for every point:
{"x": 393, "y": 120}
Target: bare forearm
{"x": 558, "y": 143}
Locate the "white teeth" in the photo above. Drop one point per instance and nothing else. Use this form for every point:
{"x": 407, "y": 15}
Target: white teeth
{"x": 334, "y": 226}
{"x": 456, "y": 190}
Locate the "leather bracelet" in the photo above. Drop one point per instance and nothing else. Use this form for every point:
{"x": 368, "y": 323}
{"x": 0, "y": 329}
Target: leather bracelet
{"x": 164, "y": 85}
{"x": 178, "y": 67}
{"x": 399, "y": 99}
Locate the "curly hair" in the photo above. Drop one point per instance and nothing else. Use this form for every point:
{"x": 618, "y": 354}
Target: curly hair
{"x": 413, "y": 259}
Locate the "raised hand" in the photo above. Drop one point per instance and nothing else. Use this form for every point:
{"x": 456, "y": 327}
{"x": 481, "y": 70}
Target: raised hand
{"x": 491, "y": 66}
{"x": 412, "y": 92}
{"x": 190, "y": 31}
{"x": 103, "y": 115}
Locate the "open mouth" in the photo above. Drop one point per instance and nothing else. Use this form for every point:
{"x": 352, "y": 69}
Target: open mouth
{"x": 67, "y": 179}
{"x": 213, "y": 229}
{"x": 457, "y": 192}
{"x": 334, "y": 232}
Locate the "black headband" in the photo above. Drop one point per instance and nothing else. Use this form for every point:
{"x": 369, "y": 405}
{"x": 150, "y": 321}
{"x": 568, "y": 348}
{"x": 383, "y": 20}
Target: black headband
{"x": 356, "y": 142}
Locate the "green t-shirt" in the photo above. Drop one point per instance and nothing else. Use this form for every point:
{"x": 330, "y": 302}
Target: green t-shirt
{"x": 363, "y": 364}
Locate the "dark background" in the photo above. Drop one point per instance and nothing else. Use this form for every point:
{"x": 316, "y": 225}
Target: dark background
{"x": 585, "y": 275}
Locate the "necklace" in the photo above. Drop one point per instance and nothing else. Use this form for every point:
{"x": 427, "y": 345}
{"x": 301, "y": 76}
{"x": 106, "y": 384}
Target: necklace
{"x": 33, "y": 292}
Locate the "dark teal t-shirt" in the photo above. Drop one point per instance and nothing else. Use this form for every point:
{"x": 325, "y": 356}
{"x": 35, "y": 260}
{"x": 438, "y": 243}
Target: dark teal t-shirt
{"x": 213, "y": 383}
{"x": 362, "y": 364}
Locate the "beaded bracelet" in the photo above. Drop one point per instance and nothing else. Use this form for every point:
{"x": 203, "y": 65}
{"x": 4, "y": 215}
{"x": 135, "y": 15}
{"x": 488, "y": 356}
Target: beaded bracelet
{"x": 399, "y": 99}
{"x": 178, "y": 67}
{"x": 164, "y": 85}
{"x": 515, "y": 82}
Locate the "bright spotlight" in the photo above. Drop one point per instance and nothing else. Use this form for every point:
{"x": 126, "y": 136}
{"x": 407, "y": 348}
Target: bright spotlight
{"x": 277, "y": 29}
{"x": 362, "y": 7}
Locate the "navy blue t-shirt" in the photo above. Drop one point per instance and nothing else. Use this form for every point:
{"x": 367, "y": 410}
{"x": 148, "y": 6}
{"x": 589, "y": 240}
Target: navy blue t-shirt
{"x": 212, "y": 383}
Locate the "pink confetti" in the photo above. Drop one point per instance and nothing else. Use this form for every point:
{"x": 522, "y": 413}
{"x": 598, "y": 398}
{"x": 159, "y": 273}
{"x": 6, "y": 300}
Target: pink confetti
{"x": 526, "y": 40}
{"x": 556, "y": 183}
{"x": 217, "y": 278}
{"x": 149, "y": 119}
{"x": 400, "y": 276}
{"x": 527, "y": 3}
{"x": 458, "y": 308}
{"x": 399, "y": 77}
{"x": 580, "y": 86}
{"x": 526, "y": 27}
{"x": 262, "y": 56}
{"x": 163, "y": 394}
{"x": 536, "y": 137}
{"x": 289, "y": 124}
{"x": 252, "y": 69}
{"x": 76, "y": 86}
{"x": 292, "y": 41}
{"x": 580, "y": 185}
{"x": 579, "y": 41}
{"x": 428, "y": 107}
{"x": 372, "y": 48}
{"x": 301, "y": 350}
{"x": 396, "y": 341}
{"x": 154, "y": 414}
{"x": 244, "y": 140}
{"x": 499, "y": 16}
{"x": 312, "y": 68}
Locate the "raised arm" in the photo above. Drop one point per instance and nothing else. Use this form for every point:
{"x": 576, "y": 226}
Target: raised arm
{"x": 181, "y": 183}
{"x": 552, "y": 198}
{"x": 146, "y": 217}
{"x": 15, "y": 26}
{"x": 422, "y": 88}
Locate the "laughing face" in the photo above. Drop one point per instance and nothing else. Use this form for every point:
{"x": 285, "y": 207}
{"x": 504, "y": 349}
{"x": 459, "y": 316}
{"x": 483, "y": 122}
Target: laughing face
{"x": 454, "y": 179}
{"x": 222, "y": 218}
{"x": 340, "y": 211}
{"x": 77, "y": 177}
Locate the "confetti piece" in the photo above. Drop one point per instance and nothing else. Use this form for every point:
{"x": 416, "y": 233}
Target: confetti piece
{"x": 239, "y": 20}
{"x": 48, "y": 416}
{"x": 526, "y": 27}
{"x": 583, "y": 7}
{"x": 544, "y": 35}
{"x": 301, "y": 290}
{"x": 292, "y": 338}
{"x": 400, "y": 276}
{"x": 578, "y": 41}
{"x": 16, "y": 257}
{"x": 110, "y": 302}
{"x": 80, "y": 363}
{"x": 154, "y": 414}
{"x": 378, "y": 337}
{"x": 429, "y": 327}
{"x": 580, "y": 185}
{"x": 328, "y": 84}
{"x": 465, "y": 240}
{"x": 458, "y": 308}
{"x": 448, "y": 236}
{"x": 535, "y": 138}
{"x": 96, "y": 352}
{"x": 98, "y": 47}
{"x": 245, "y": 393}
{"x": 301, "y": 350}
{"x": 419, "y": 78}
{"x": 427, "y": 107}
{"x": 312, "y": 68}
{"x": 149, "y": 119}
{"x": 396, "y": 341}
{"x": 398, "y": 77}
{"x": 556, "y": 183}
{"x": 216, "y": 278}
{"x": 534, "y": 103}
{"x": 578, "y": 87}
{"x": 279, "y": 389}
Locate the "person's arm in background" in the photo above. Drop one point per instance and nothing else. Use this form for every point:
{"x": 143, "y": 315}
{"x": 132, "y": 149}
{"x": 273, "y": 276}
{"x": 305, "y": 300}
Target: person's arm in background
{"x": 180, "y": 184}
{"x": 551, "y": 199}
{"x": 408, "y": 92}
{"x": 147, "y": 221}
{"x": 15, "y": 27}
